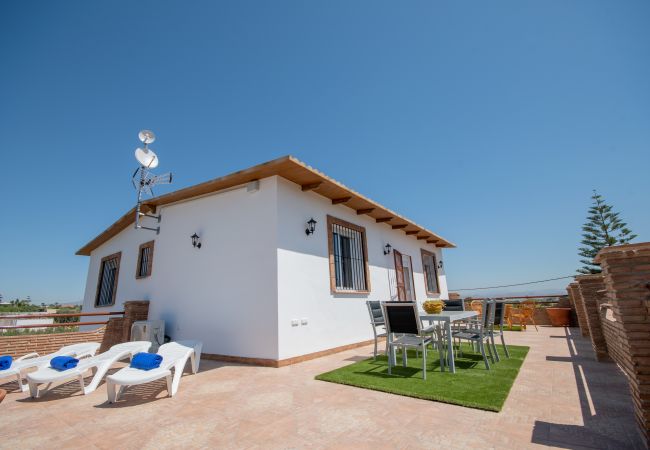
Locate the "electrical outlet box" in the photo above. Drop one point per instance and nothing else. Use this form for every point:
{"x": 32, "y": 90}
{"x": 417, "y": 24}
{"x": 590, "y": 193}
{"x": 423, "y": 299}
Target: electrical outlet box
{"x": 295, "y": 322}
{"x": 304, "y": 321}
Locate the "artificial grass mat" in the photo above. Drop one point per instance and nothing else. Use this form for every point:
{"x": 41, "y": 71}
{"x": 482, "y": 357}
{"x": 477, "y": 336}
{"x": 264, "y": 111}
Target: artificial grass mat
{"x": 472, "y": 385}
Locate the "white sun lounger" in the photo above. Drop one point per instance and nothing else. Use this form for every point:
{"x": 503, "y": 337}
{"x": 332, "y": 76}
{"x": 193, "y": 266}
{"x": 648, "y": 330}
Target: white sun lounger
{"x": 175, "y": 356}
{"x": 99, "y": 364}
{"x": 33, "y": 360}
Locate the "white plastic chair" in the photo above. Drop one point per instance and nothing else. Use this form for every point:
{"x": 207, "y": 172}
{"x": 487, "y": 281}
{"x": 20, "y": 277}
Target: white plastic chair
{"x": 99, "y": 364}
{"x": 33, "y": 360}
{"x": 175, "y": 356}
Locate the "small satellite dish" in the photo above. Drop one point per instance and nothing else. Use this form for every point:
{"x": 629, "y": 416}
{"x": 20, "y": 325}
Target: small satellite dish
{"x": 147, "y": 136}
{"x": 146, "y": 157}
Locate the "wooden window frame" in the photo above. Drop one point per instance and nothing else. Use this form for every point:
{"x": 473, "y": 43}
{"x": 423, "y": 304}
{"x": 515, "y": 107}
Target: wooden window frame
{"x": 400, "y": 281}
{"x": 424, "y": 253}
{"x": 150, "y": 245}
{"x": 330, "y": 247}
{"x": 117, "y": 256}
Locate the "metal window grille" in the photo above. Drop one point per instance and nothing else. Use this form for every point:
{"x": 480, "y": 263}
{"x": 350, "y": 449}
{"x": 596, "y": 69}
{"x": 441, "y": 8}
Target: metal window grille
{"x": 430, "y": 273}
{"x": 108, "y": 281}
{"x": 349, "y": 259}
{"x": 145, "y": 255}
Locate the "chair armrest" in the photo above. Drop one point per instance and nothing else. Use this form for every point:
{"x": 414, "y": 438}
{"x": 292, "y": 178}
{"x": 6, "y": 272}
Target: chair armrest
{"x": 27, "y": 356}
{"x": 428, "y": 330}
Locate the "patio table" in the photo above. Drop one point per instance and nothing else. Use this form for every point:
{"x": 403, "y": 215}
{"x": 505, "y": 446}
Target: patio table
{"x": 446, "y": 318}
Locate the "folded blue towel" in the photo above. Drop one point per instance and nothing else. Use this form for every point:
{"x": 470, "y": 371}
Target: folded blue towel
{"x": 146, "y": 361}
{"x": 63, "y": 362}
{"x": 5, "y": 362}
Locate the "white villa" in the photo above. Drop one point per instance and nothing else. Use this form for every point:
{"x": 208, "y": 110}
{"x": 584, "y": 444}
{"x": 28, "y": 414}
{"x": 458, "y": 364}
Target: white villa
{"x": 259, "y": 288}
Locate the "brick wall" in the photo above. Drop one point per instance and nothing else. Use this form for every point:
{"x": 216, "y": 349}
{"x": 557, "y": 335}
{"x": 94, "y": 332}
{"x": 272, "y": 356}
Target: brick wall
{"x": 575, "y": 318}
{"x": 592, "y": 292}
{"x": 116, "y": 330}
{"x": 581, "y": 312}
{"x": 626, "y": 269}
{"x": 43, "y": 344}
{"x": 613, "y": 332}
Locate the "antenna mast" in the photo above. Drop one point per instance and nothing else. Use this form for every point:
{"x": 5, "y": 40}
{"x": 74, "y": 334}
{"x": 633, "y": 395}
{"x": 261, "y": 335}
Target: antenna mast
{"x": 146, "y": 180}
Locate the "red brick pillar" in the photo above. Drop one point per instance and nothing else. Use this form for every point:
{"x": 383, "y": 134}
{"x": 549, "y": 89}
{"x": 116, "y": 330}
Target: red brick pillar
{"x": 113, "y": 334}
{"x": 592, "y": 291}
{"x": 574, "y": 292}
{"x": 133, "y": 311}
{"x": 627, "y": 277}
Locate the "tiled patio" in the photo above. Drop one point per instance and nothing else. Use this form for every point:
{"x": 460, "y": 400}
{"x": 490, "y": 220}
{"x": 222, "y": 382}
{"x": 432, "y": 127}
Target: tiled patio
{"x": 562, "y": 398}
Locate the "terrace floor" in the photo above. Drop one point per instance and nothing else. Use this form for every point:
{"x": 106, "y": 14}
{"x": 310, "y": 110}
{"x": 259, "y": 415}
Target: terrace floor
{"x": 561, "y": 398}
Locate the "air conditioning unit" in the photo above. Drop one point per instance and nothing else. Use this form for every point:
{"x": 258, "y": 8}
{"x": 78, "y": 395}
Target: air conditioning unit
{"x": 149, "y": 330}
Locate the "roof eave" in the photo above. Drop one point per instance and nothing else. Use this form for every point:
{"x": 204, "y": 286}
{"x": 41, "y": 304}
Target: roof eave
{"x": 294, "y": 170}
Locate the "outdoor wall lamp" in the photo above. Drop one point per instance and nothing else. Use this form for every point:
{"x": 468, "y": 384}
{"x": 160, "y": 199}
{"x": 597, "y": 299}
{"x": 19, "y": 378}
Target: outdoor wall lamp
{"x": 387, "y": 249}
{"x": 440, "y": 264}
{"x": 311, "y": 226}
{"x": 196, "y": 241}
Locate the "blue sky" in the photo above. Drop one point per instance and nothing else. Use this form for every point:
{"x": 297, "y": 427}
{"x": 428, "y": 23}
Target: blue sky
{"x": 488, "y": 122}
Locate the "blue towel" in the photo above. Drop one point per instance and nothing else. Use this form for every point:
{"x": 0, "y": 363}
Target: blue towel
{"x": 146, "y": 361}
{"x": 63, "y": 362}
{"x": 5, "y": 362}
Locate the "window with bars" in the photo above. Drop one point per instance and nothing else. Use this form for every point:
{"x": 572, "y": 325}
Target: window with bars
{"x": 429, "y": 266}
{"x": 348, "y": 257}
{"x": 145, "y": 260}
{"x": 109, "y": 270}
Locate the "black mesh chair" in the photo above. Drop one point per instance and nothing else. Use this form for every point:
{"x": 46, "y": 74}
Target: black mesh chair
{"x": 403, "y": 319}
{"x": 377, "y": 322}
{"x": 497, "y": 328}
{"x": 479, "y": 332}
{"x": 454, "y": 305}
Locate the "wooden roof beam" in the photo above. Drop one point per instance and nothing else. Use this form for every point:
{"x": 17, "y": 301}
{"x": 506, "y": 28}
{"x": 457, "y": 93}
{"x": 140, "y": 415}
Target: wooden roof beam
{"x": 422, "y": 237}
{"x": 399, "y": 227}
{"x": 336, "y": 201}
{"x": 410, "y": 232}
{"x": 432, "y": 241}
{"x": 311, "y": 186}
{"x": 384, "y": 219}
{"x": 364, "y": 211}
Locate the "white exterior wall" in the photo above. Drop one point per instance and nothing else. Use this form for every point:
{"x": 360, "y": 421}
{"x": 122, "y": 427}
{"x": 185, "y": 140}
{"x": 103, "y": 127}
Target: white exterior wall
{"x": 224, "y": 294}
{"x": 257, "y": 271}
{"x": 304, "y": 278}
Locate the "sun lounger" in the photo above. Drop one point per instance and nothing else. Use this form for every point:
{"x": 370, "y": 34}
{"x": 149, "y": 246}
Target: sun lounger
{"x": 33, "y": 360}
{"x": 175, "y": 356}
{"x": 99, "y": 364}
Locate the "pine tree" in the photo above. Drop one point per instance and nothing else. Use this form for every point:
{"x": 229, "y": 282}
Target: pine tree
{"x": 603, "y": 229}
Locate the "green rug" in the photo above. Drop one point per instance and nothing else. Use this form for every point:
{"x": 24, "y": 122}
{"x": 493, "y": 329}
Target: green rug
{"x": 472, "y": 385}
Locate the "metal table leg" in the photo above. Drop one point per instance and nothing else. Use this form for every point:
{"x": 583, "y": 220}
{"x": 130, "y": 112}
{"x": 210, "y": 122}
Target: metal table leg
{"x": 450, "y": 345}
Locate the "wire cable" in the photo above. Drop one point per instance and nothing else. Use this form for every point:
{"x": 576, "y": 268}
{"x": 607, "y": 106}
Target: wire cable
{"x": 511, "y": 285}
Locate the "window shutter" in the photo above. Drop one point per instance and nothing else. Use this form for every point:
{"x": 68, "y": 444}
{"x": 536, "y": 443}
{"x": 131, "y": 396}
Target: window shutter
{"x": 399, "y": 276}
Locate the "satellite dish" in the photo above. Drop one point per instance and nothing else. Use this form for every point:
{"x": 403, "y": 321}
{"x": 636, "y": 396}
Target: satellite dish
{"x": 147, "y": 136}
{"x": 146, "y": 157}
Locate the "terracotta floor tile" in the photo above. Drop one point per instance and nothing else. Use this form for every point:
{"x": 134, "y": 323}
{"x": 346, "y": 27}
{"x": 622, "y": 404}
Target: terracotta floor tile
{"x": 236, "y": 406}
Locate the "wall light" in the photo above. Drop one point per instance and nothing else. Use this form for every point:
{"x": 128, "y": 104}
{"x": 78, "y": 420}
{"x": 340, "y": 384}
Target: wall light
{"x": 311, "y": 226}
{"x": 196, "y": 241}
{"x": 387, "y": 249}
{"x": 440, "y": 264}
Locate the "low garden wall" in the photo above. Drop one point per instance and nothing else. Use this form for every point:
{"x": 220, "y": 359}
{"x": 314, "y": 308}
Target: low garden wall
{"x": 23, "y": 344}
{"x": 118, "y": 329}
{"x": 540, "y": 316}
{"x": 592, "y": 295}
{"x": 626, "y": 272}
